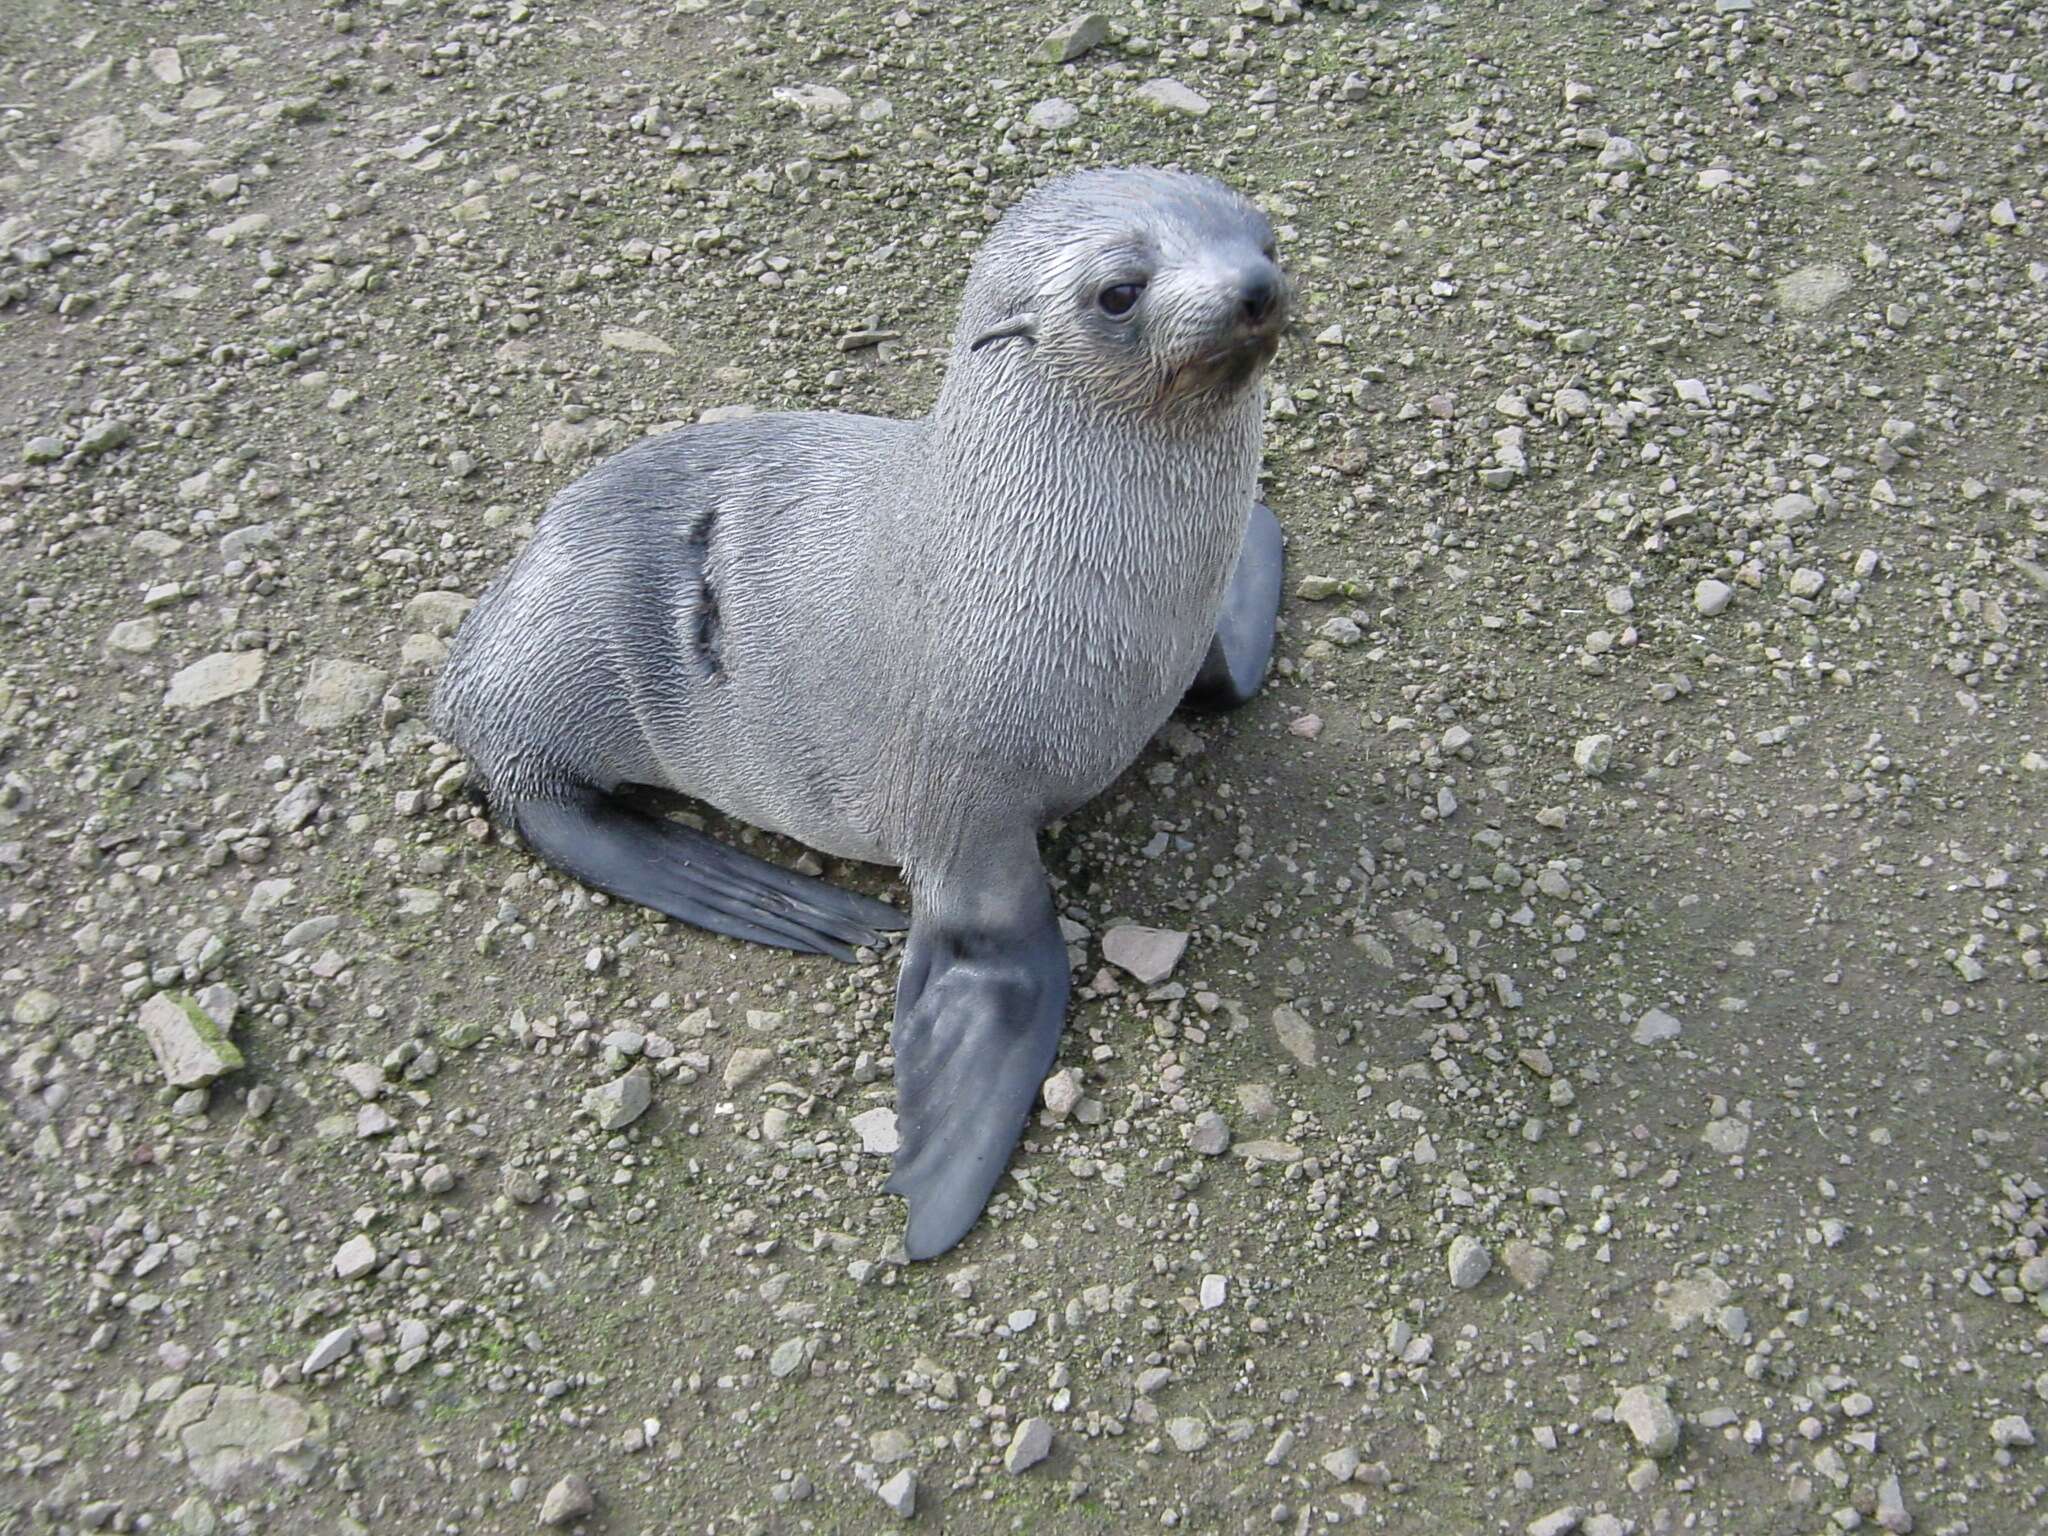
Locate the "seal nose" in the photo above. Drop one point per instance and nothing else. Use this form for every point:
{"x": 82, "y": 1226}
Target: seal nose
{"x": 1258, "y": 296}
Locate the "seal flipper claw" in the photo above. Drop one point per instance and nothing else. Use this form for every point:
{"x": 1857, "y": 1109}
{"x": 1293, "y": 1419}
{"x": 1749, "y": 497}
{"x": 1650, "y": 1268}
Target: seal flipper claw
{"x": 1236, "y": 663}
{"x": 695, "y": 878}
{"x": 978, "y": 1015}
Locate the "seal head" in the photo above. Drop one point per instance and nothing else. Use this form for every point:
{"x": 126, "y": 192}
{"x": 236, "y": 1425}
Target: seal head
{"x": 1142, "y": 290}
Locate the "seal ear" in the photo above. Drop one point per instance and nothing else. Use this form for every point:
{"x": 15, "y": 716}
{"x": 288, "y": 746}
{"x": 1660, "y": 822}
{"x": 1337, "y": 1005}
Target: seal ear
{"x": 1022, "y": 327}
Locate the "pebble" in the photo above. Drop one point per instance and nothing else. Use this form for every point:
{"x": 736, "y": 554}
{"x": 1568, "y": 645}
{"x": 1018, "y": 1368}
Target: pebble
{"x": 1215, "y": 1291}
{"x": 437, "y": 613}
{"x": 1168, "y": 95}
{"x": 1210, "y": 1135}
{"x": 1649, "y": 1417}
{"x": 1029, "y": 1445}
{"x": 877, "y": 1131}
{"x": 1053, "y": 115}
{"x": 1296, "y": 1035}
{"x": 1892, "y": 1513}
{"x": 787, "y": 1358}
{"x": 104, "y": 437}
{"x": 2011, "y": 1430}
{"x": 1728, "y": 1136}
{"x": 618, "y": 1103}
{"x": 1470, "y": 1262}
{"x": 1061, "y": 1092}
{"x": 1655, "y": 1027}
{"x": 567, "y": 1502}
{"x": 1711, "y": 597}
{"x": 1559, "y": 1522}
{"x": 900, "y": 1494}
{"x": 1187, "y": 1433}
{"x": 191, "y": 1048}
{"x": 338, "y": 692}
{"x": 745, "y": 1064}
{"x": 1811, "y": 290}
{"x": 332, "y": 1346}
{"x": 1342, "y": 1463}
{"x": 1149, "y": 954}
{"x": 35, "y": 1008}
{"x": 213, "y": 678}
{"x": 355, "y": 1258}
{"x": 1593, "y": 755}
{"x": 1083, "y": 34}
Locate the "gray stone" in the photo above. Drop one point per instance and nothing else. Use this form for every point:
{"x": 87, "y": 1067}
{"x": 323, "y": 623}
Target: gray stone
{"x": 1061, "y": 1092}
{"x": 355, "y": 1258}
{"x": 1053, "y": 115}
{"x": 1211, "y": 1134}
{"x": 1469, "y": 1261}
{"x": 1892, "y": 1513}
{"x": 1528, "y": 1265}
{"x": 1655, "y": 1027}
{"x": 1149, "y": 954}
{"x": 334, "y": 1345}
{"x": 1711, "y": 597}
{"x": 213, "y": 678}
{"x": 42, "y": 450}
{"x": 877, "y": 1131}
{"x": 1810, "y": 290}
{"x": 137, "y": 637}
{"x": 900, "y": 1494}
{"x": 1187, "y": 1433}
{"x": 104, "y": 437}
{"x": 1728, "y": 1136}
{"x": 565, "y": 442}
{"x": 567, "y": 1502}
{"x": 787, "y": 1358}
{"x": 1296, "y": 1035}
{"x": 1559, "y": 1522}
{"x": 191, "y": 1047}
{"x": 1647, "y": 1414}
{"x": 340, "y": 691}
{"x": 35, "y": 1008}
{"x": 242, "y": 1438}
{"x": 1083, "y": 34}
{"x": 618, "y": 1103}
{"x": 437, "y": 613}
{"x": 1593, "y": 755}
{"x": 1168, "y": 95}
{"x": 746, "y": 1064}
{"x": 1030, "y": 1445}
{"x": 2010, "y": 1431}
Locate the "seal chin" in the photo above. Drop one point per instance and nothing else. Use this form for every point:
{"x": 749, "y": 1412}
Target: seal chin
{"x": 1221, "y": 373}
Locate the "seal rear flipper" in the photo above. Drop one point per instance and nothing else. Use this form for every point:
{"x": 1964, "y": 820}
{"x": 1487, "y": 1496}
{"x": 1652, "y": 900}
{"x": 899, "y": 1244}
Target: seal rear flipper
{"x": 695, "y": 878}
{"x": 978, "y": 1015}
{"x": 1238, "y": 655}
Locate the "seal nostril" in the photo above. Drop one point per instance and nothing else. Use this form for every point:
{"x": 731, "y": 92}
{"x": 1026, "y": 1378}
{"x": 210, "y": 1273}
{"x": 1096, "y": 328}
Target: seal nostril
{"x": 1258, "y": 296}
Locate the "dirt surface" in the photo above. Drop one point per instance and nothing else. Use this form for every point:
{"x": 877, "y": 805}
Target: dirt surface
{"x": 1604, "y": 1087}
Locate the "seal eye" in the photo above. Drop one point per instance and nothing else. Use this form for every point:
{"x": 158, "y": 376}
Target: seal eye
{"x": 1119, "y": 298}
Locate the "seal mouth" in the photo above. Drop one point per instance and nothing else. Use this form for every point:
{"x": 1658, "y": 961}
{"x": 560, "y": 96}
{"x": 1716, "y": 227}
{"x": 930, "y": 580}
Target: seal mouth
{"x": 1223, "y": 370}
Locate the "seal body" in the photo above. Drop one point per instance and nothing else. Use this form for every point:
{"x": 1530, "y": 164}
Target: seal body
{"x": 912, "y": 643}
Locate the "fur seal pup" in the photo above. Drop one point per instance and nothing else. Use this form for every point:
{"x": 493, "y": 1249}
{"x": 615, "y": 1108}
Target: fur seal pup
{"x": 912, "y": 642}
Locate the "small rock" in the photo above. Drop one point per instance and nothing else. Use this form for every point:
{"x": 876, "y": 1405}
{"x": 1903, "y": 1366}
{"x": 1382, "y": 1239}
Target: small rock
{"x": 1342, "y": 1463}
{"x": 333, "y": 1346}
{"x": 1648, "y": 1415}
{"x": 567, "y": 1502}
{"x": 136, "y": 637}
{"x": 338, "y": 692}
{"x": 437, "y": 613}
{"x": 1892, "y": 1513}
{"x": 2010, "y": 1431}
{"x": 1150, "y": 954}
{"x": 35, "y": 1008}
{"x": 1711, "y": 597}
{"x": 621, "y": 339}
{"x": 1061, "y": 1092}
{"x": 1728, "y": 1136}
{"x": 1067, "y": 43}
{"x": 1559, "y": 1522}
{"x": 786, "y": 1359}
{"x": 1030, "y": 1445}
{"x": 877, "y": 1131}
{"x": 1215, "y": 1291}
{"x": 1470, "y": 1262}
{"x": 190, "y": 1047}
{"x": 104, "y": 437}
{"x": 618, "y": 1103}
{"x": 42, "y": 450}
{"x": 1187, "y": 1433}
{"x": 1211, "y": 1134}
{"x": 1296, "y": 1035}
{"x": 1655, "y": 1027}
{"x": 1593, "y": 755}
{"x": 1810, "y": 290}
{"x": 900, "y": 1494}
{"x": 213, "y": 678}
{"x": 1053, "y": 115}
{"x": 745, "y": 1064}
{"x": 355, "y": 1258}
{"x": 1169, "y": 95}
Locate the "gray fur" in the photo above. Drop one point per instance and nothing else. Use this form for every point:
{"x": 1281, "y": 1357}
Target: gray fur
{"x": 912, "y": 643}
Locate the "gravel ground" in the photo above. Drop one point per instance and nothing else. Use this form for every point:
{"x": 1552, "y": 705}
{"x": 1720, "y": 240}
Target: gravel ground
{"x": 1603, "y": 1089}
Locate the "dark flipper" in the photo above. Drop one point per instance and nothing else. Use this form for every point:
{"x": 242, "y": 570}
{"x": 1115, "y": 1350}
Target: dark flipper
{"x": 1236, "y": 663}
{"x": 696, "y": 879}
{"x": 978, "y": 1015}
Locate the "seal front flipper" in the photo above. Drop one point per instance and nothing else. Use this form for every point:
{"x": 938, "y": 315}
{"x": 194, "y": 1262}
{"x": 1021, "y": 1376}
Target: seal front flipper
{"x": 978, "y": 1015}
{"x": 1236, "y": 663}
{"x": 695, "y": 878}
